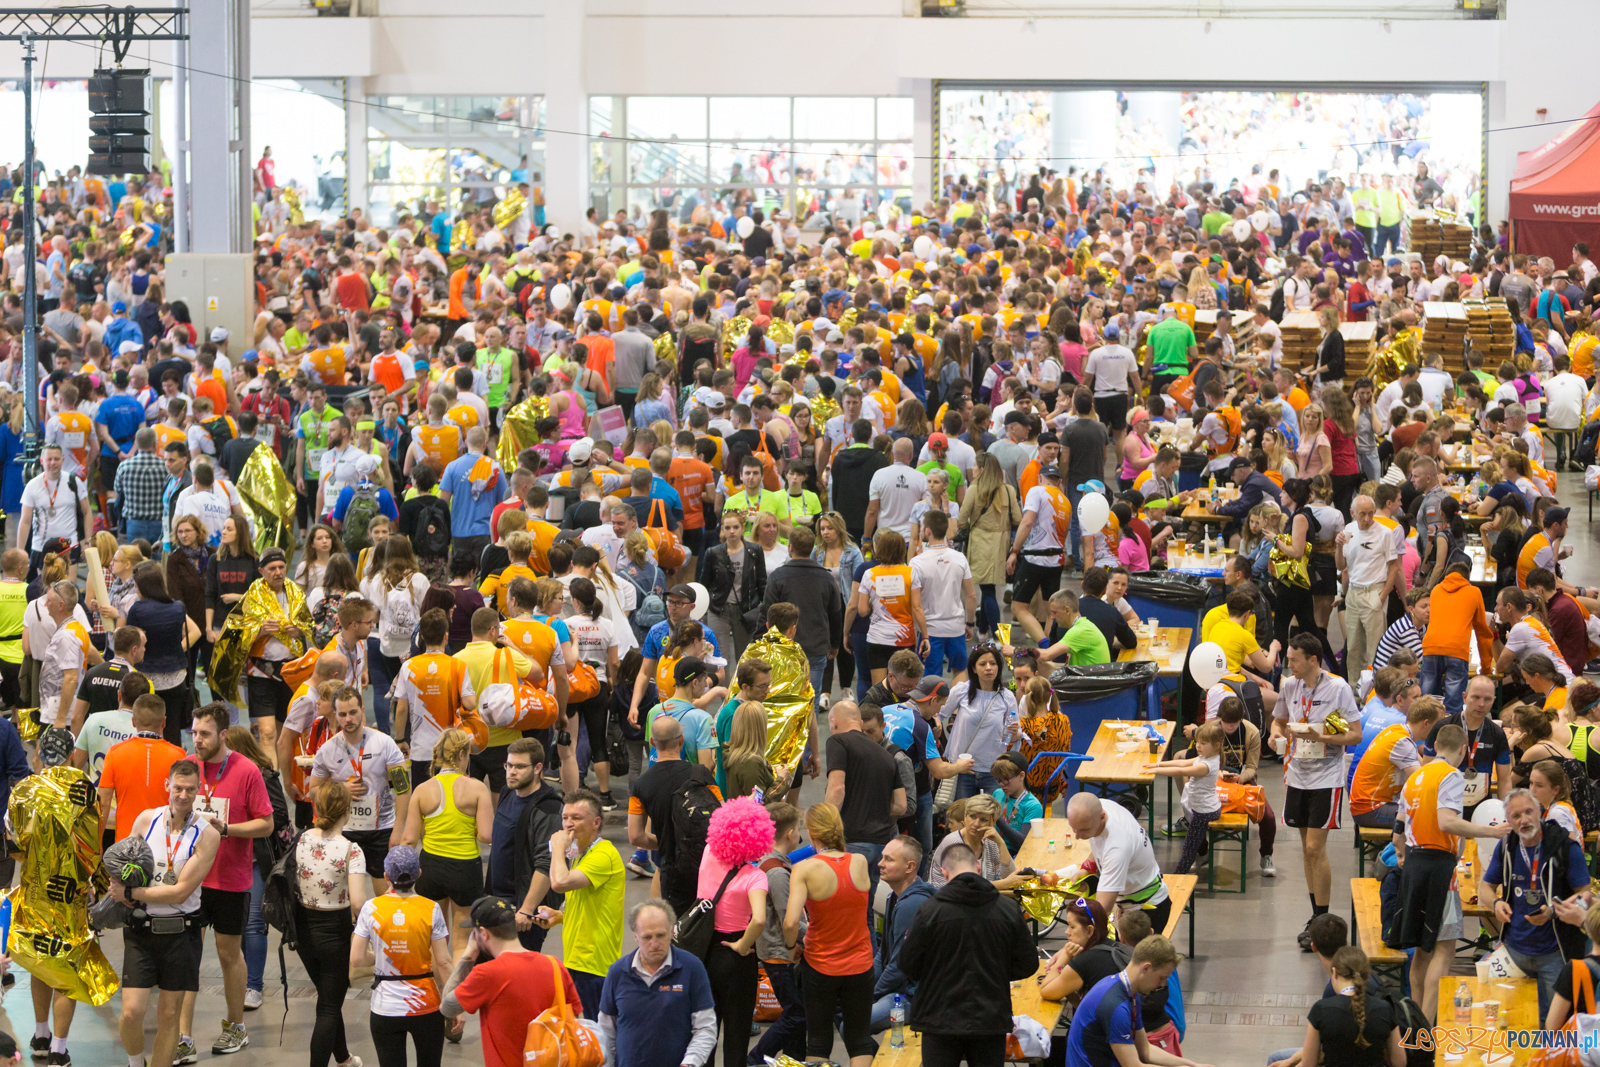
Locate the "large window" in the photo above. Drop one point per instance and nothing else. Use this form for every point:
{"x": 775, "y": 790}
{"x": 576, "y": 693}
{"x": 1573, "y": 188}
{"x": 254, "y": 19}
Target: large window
{"x": 450, "y": 149}
{"x": 797, "y": 153}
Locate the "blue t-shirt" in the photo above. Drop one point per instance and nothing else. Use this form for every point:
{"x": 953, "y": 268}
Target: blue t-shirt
{"x": 656, "y": 640}
{"x": 862, "y": 621}
{"x": 1108, "y": 1015}
{"x": 470, "y": 515}
{"x": 441, "y": 232}
{"x": 385, "y": 503}
{"x": 122, "y": 416}
{"x": 698, "y": 731}
{"x": 563, "y": 634}
{"x": 904, "y": 727}
{"x": 1376, "y": 716}
{"x": 1525, "y": 937}
{"x": 1022, "y": 810}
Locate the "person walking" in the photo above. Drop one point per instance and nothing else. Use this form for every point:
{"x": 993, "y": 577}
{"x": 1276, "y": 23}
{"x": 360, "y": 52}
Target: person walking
{"x": 447, "y": 817}
{"x": 402, "y": 939}
{"x": 331, "y": 871}
{"x": 739, "y": 834}
{"x": 656, "y": 1008}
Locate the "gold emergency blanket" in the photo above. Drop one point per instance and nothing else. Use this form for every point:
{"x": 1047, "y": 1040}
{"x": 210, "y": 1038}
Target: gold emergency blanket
{"x": 1043, "y": 902}
{"x": 269, "y": 501}
{"x": 788, "y": 702}
{"x": 517, "y": 429}
{"x": 241, "y": 629}
{"x": 507, "y": 210}
{"x": 291, "y": 196}
{"x": 55, "y": 819}
{"x": 1335, "y": 724}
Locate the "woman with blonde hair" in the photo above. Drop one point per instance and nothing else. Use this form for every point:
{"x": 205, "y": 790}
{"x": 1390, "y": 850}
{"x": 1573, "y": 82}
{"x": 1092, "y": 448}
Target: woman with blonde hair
{"x": 11, "y": 479}
{"x": 119, "y": 585}
{"x": 1315, "y": 454}
{"x": 747, "y": 766}
{"x": 972, "y": 823}
{"x": 990, "y": 512}
{"x": 449, "y": 815}
{"x": 1201, "y": 293}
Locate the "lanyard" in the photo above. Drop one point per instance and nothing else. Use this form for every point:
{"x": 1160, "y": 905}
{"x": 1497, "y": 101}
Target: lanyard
{"x": 53, "y": 492}
{"x": 207, "y": 787}
{"x": 172, "y": 852}
{"x": 1532, "y": 864}
{"x": 359, "y": 759}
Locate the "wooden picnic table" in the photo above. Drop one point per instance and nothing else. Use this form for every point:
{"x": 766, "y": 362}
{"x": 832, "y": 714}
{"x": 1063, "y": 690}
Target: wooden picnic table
{"x": 1035, "y": 851}
{"x": 1178, "y": 636}
{"x": 1197, "y": 513}
{"x": 1484, "y": 1046}
{"x": 1025, "y": 1000}
{"x": 1467, "y": 884}
{"x": 1110, "y": 770}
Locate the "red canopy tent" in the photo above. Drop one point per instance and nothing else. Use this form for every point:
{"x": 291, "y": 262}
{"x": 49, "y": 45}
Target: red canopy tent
{"x": 1555, "y": 193}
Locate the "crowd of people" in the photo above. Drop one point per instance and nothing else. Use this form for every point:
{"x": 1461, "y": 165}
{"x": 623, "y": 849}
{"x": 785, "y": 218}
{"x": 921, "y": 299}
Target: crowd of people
{"x": 474, "y": 540}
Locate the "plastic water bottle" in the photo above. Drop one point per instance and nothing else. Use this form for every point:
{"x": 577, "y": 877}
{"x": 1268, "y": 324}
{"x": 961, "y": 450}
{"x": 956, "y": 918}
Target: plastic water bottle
{"x": 1050, "y": 846}
{"x": 1463, "y": 1003}
{"x": 897, "y": 1020}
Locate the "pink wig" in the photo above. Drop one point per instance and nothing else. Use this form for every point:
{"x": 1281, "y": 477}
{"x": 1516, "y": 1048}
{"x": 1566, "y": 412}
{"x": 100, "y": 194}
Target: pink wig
{"x": 741, "y": 832}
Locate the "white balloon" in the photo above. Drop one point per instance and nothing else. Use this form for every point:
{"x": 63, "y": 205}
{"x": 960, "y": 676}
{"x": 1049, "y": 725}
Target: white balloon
{"x": 746, "y": 226}
{"x": 924, "y": 247}
{"x": 1241, "y": 230}
{"x": 1208, "y": 663}
{"x": 702, "y": 600}
{"x": 1093, "y": 511}
{"x": 1489, "y": 813}
{"x": 1260, "y": 220}
{"x": 560, "y": 296}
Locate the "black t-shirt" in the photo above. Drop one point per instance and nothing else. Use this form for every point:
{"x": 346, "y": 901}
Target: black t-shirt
{"x": 1563, "y": 986}
{"x": 651, "y": 796}
{"x": 1486, "y": 745}
{"x": 1335, "y": 1020}
{"x": 236, "y": 453}
{"x": 583, "y": 516}
{"x": 759, "y": 243}
{"x": 870, "y": 782}
{"x": 159, "y": 370}
{"x": 1106, "y": 618}
{"x": 99, "y": 685}
{"x": 1087, "y": 440}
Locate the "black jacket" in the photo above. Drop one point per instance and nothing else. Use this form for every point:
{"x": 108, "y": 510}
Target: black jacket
{"x": 752, "y": 581}
{"x": 853, "y": 468}
{"x": 813, "y": 589}
{"x": 539, "y": 820}
{"x": 964, "y": 949}
{"x": 1256, "y": 488}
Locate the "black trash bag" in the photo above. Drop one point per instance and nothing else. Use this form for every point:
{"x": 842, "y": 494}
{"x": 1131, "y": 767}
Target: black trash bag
{"x": 1165, "y": 587}
{"x": 130, "y": 862}
{"x": 1101, "y": 679}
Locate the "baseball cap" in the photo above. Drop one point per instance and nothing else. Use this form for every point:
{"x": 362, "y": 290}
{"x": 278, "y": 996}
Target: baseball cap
{"x": 1392, "y": 261}
{"x": 1110, "y": 331}
{"x": 58, "y": 545}
{"x": 834, "y": 336}
{"x": 1237, "y": 462}
{"x": 220, "y": 333}
{"x": 682, "y": 591}
{"x": 931, "y": 685}
{"x": 1555, "y": 515}
{"x": 128, "y": 346}
{"x": 562, "y": 335}
{"x": 716, "y": 401}
{"x": 1094, "y": 485}
{"x": 118, "y": 308}
{"x": 1049, "y": 470}
{"x": 402, "y": 865}
{"x": 489, "y": 912}
{"x": 581, "y": 450}
{"x": 689, "y": 668}
{"x": 367, "y": 464}
{"x": 938, "y": 440}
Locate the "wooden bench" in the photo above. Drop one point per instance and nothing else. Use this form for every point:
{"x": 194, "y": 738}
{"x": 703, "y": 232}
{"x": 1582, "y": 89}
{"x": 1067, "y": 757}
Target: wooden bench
{"x": 1233, "y": 828}
{"x": 1370, "y": 841}
{"x": 1366, "y": 920}
{"x": 1180, "y": 890}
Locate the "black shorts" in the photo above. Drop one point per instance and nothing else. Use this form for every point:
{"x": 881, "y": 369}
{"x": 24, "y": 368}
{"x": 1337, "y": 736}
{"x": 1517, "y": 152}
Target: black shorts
{"x": 1424, "y": 892}
{"x": 225, "y": 911}
{"x": 446, "y": 879}
{"x": 268, "y": 697}
{"x": 374, "y": 845}
{"x": 1324, "y": 574}
{"x": 878, "y": 656}
{"x": 1113, "y": 411}
{"x": 489, "y": 767}
{"x": 170, "y": 962}
{"x": 1312, "y": 809}
{"x": 1031, "y": 578}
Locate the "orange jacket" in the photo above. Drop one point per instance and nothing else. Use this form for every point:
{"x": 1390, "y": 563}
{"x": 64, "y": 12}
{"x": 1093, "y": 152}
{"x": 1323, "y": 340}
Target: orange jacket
{"x": 1454, "y": 615}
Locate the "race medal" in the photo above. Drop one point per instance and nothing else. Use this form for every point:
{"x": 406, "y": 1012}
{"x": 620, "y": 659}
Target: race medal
{"x": 169, "y": 879}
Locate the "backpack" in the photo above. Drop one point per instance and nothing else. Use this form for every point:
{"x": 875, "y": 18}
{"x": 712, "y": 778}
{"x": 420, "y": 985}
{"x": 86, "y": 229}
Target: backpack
{"x": 221, "y": 431}
{"x": 1275, "y": 307}
{"x": 651, "y": 607}
{"x": 432, "y": 536}
{"x": 1408, "y": 1016}
{"x": 1585, "y": 452}
{"x": 692, "y": 805}
{"x": 358, "y": 516}
{"x": 282, "y": 891}
{"x": 325, "y": 619}
{"x": 399, "y": 614}
{"x": 1237, "y": 300}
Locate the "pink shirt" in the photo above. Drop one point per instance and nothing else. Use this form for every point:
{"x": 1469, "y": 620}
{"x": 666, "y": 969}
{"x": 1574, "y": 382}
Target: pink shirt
{"x": 1130, "y": 550}
{"x": 238, "y": 781}
{"x": 733, "y": 913}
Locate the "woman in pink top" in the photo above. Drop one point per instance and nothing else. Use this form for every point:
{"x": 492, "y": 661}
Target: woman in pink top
{"x": 744, "y": 360}
{"x": 1073, "y": 352}
{"x": 1315, "y": 454}
{"x": 1137, "y": 450}
{"x": 740, "y": 834}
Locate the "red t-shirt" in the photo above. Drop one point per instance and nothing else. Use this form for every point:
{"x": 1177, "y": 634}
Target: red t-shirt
{"x": 238, "y": 781}
{"x": 351, "y": 290}
{"x": 508, "y": 993}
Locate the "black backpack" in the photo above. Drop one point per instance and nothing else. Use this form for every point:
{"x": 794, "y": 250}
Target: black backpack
{"x": 432, "y": 536}
{"x": 692, "y": 805}
{"x": 221, "y": 431}
{"x": 1275, "y": 307}
{"x": 282, "y": 892}
{"x": 1237, "y": 301}
{"x": 1408, "y": 1016}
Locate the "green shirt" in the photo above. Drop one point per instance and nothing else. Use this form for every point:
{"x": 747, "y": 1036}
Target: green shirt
{"x": 807, "y": 503}
{"x": 956, "y": 480}
{"x": 1087, "y": 643}
{"x": 768, "y": 500}
{"x": 314, "y": 429}
{"x": 724, "y": 730}
{"x": 499, "y": 366}
{"x": 1170, "y": 342}
{"x": 591, "y": 919}
{"x": 293, "y": 339}
{"x": 1213, "y": 222}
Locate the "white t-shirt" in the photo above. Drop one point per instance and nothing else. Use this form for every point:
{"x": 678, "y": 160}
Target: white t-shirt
{"x": 55, "y": 508}
{"x": 1314, "y": 764}
{"x": 64, "y": 653}
{"x": 1367, "y": 553}
{"x": 1110, "y": 365}
{"x": 377, "y": 591}
{"x": 394, "y": 998}
{"x": 1435, "y": 383}
{"x": 897, "y": 488}
{"x": 211, "y": 506}
{"x": 604, "y": 539}
{"x": 1043, "y": 534}
{"x": 1387, "y": 399}
{"x": 1200, "y": 793}
{"x": 592, "y": 637}
{"x": 1563, "y": 401}
{"x": 375, "y": 754}
{"x": 338, "y": 470}
{"x": 1122, "y": 852}
{"x": 942, "y": 570}
{"x": 100, "y": 731}
{"x": 1523, "y": 638}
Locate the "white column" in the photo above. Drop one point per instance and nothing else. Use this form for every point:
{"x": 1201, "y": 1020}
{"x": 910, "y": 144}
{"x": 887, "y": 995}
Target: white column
{"x": 212, "y": 172}
{"x": 357, "y": 171}
{"x": 566, "y": 103}
{"x": 924, "y": 145}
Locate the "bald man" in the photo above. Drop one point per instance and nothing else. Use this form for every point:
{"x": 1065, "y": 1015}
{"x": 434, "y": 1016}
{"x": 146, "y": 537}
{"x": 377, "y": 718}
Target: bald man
{"x": 863, "y": 784}
{"x": 894, "y": 491}
{"x": 1129, "y": 873}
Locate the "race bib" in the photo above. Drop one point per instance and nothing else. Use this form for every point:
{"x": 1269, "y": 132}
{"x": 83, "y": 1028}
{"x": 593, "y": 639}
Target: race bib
{"x": 1476, "y": 789}
{"x": 314, "y": 458}
{"x": 72, "y": 440}
{"x": 497, "y": 373}
{"x": 1310, "y": 750}
{"x": 888, "y": 585}
{"x": 267, "y": 434}
{"x": 216, "y": 806}
{"x": 363, "y": 812}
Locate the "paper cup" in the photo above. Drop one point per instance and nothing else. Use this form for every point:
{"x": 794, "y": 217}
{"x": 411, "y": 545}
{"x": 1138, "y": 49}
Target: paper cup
{"x": 1036, "y": 826}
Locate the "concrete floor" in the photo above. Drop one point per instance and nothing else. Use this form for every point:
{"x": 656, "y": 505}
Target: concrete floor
{"x": 1247, "y": 988}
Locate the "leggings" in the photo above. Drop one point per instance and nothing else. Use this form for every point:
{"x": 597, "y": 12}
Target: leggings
{"x": 1295, "y": 603}
{"x": 324, "y": 949}
{"x": 1199, "y": 823}
{"x": 594, "y": 714}
{"x": 389, "y": 1038}
{"x": 733, "y": 988}
{"x": 988, "y": 609}
{"x": 949, "y": 1050}
{"x": 849, "y": 995}
{"x": 858, "y": 649}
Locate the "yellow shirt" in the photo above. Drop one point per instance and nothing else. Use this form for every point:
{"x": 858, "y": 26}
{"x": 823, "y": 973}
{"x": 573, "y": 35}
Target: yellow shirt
{"x": 493, "y": 584}
{"x": 1235, "y": 641}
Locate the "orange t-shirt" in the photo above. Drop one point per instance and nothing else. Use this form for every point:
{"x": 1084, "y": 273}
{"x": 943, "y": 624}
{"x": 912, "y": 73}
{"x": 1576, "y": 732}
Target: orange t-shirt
{"x": 463, "y": 415}
{"x": 495, "y": 583}
{"x": 386, "y": 370}
{"x": 1421, "y": 800}
{"x": 602, "y": 353}
{"x": 534, "y": 639}
{"x": 463, "y": 285}
{"x": 213, "y": 390}
{"x": 328, "y": 363}
{"x": 165, "y": 435}
{"x": 439, "y": 444}
{"x": 544, "y": 535}
{"x": 691, "y": 477}
{"x": 136, "y": 772}
{"x": 73, "y": 432}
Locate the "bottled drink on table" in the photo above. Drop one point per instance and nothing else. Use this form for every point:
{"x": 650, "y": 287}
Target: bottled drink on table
{"x": 897, "y": 1022}
{"x": 1463, "y": 1003}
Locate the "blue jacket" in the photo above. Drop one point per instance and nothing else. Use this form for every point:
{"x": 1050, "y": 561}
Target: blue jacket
{"x": 120, "y": 329}
{"x": 902, "y": 910}
{"x": 1256, "y": 488}
{"x": 655, "y": 1020}
{"x": 13, "y": 759}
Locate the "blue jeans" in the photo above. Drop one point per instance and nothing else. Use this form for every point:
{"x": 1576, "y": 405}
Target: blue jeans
{"x": 924, "y": 827}
{"x": 1446, "y": 676}
{"x": 988, "y": 609}
{"x": 255, "y": 934}
{"x": 858, "y": 648}
{"x": 873, "y": 853}
{"x": 880, "y": 1011}
{"x": 1388, "y": 237}
{"x": 1546, "y": 969}
{"x": 970, "y": 785}
{"x": 942, "y": 650}
{"x": 819, "y": 667}
{"x": 1074, "y": 535}
{"x": 1282, "y": 1054}
{"x": 149, "y": 529}
{"x": 381, "y": 670}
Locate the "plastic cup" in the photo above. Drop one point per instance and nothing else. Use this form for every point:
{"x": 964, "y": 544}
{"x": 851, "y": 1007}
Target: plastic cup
{"x": 1280, "y": 745}
{"x": 1036, "y": 826}
{"x": 1491, "y": 1014}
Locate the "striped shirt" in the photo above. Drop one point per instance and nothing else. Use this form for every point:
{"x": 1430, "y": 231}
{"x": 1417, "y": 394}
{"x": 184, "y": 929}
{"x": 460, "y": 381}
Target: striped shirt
{"x": 1403, "y": 634}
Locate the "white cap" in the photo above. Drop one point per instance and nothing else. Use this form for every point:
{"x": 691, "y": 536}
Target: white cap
{"x": 130, "y": 346}
{"x": 366, "y": 464}
{"x": 581, "y": 450}
{"x": 220, "y": 334}
{"x": 783, "y": 216}
{"x": 922, "y": 299}
{"x": 608, "y": 225}
{"x": 821, "y": 325}
{"x": 716, "y": 401}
